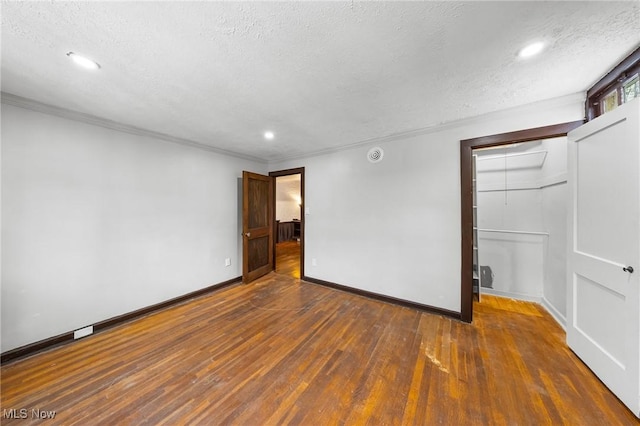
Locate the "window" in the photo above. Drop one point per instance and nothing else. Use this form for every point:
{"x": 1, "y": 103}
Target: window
{"x": 631, "y": 89}
{"x": 609, "y": 102}
{"x": 621, "y": 85}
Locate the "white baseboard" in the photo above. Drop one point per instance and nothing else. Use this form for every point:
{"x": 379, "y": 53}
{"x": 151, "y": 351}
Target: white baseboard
{"x": 560, "y": 319}
{"x": 517, "y": 296}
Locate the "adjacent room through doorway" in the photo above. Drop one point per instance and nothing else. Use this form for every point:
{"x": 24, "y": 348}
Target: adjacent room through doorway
{"x": 288, "y": 231}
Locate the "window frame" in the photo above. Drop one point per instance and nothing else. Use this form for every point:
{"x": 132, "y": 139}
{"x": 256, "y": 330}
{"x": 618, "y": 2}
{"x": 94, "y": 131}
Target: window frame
{"x": 614, "y": 80}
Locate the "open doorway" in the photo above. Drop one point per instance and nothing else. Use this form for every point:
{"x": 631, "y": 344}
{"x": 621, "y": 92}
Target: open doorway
{"x": 520, "y": 221}
{"x": 467, "y": 147}
{"x": 288, "y": 225}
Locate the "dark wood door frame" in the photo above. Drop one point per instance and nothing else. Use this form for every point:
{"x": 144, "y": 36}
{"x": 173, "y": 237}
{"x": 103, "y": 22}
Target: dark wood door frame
{"x": 466, "y": 196}
{"x": 289, "y": 172}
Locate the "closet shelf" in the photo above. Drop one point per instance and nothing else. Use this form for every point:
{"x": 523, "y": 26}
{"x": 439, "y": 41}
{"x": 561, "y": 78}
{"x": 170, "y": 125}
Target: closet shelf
{"x": 509, "y": 231}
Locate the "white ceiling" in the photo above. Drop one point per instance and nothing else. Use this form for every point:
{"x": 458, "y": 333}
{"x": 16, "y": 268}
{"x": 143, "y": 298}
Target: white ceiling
{"x": 321, "y": 75}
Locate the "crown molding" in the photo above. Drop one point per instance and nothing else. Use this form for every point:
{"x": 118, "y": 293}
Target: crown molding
{"x": 30, "y": 104}
{"x": 574, "y": 98}
{"x": 18, "y": 101}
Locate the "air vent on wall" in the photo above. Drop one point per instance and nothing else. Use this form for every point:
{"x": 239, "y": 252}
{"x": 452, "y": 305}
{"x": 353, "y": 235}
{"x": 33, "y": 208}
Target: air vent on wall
{"x": 375, "y": 155}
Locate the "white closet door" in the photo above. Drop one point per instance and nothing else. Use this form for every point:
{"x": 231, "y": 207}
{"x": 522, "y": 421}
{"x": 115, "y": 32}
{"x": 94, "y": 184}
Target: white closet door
{"x": 603, "y": 297}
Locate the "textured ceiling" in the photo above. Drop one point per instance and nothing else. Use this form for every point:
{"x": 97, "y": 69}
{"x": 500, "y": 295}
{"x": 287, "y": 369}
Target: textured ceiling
{"x": 319, "y": 74}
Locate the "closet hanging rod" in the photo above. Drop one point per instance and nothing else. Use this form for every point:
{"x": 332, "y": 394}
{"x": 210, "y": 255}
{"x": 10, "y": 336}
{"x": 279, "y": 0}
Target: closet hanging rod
{"x": 502, "y": 156}
{"x": 507, "y": 231}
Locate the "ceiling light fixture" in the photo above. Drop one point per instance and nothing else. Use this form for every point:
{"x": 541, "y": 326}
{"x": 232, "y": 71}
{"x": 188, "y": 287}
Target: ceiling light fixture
{"x": 531, "y": 50}
{"x": 83, "y": 61}
{"x": 269, "y": 136}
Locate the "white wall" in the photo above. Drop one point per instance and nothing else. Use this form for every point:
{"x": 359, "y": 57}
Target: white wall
{"x": 97, "y": 223}
{"x": 554, "y": 221}
{"x": 554, "y": 217}
{"x": 516, "y": 260}
{"x": 286, "y": 211}
{"x": 394, "y": 227}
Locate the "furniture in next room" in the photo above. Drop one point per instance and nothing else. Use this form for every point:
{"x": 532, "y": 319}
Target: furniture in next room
{"x": 288, "y": 231}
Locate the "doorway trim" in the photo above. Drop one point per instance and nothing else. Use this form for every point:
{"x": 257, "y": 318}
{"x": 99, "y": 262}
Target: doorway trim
{"x": 466, "y": 196}
{"x": 289, "y": 172}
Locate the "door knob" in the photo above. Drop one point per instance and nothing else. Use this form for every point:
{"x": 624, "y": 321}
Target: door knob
{"x": 247, "y": 234}
{"x": 628, "y": 269}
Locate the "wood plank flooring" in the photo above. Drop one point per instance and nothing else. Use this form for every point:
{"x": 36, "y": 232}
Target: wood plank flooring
{"x": 282, "y": 351}
{"x": 288, "y": 258}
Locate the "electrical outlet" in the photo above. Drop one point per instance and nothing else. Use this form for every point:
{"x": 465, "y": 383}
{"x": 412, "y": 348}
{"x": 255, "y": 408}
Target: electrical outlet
{"x": 227, "y": 262}
{"x": 314, "y": 262}
{"x": 83, "y": 332}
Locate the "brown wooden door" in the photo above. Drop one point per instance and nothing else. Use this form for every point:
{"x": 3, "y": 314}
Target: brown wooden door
{"x": 257, "y": 231}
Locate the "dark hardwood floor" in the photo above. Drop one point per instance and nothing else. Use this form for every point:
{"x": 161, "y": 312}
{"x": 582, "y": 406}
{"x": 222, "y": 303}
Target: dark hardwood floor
{"x": 282, "y": 351}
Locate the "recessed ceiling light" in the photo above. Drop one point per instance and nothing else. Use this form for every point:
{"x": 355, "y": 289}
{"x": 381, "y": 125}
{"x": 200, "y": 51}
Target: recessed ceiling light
{"x": 83, "y": 62}
{"x": 531, "y": 50}
{"x": 269, "y": 136}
